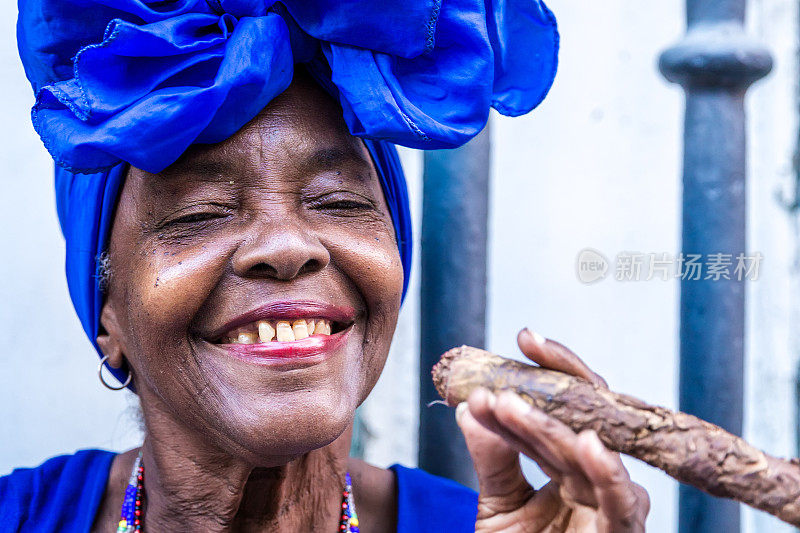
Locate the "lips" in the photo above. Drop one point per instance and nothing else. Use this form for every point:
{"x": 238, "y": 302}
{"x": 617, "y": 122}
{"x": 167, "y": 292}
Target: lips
{"x": 287, "y": 329}
{"x": 288, "y": 355}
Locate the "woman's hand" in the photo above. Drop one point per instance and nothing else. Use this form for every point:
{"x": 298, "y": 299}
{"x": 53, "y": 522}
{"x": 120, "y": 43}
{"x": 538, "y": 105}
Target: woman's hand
{"x": 589, "y": 491}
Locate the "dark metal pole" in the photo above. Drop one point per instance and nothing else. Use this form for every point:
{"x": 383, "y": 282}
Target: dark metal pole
{"x": 715, "y": 63}
{"x": 453, "y": 289}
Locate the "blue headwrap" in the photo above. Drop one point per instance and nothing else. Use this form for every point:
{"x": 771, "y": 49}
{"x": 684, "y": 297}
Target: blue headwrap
{"x": 121, "y": 82}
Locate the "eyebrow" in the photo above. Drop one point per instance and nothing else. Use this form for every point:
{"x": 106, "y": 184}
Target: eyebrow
{"x": 333, "y": 157}
{"x": 327, "y": 158}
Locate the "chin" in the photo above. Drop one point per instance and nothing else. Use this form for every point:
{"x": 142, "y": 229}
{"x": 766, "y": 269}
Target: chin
{"x": 288, "y": 424}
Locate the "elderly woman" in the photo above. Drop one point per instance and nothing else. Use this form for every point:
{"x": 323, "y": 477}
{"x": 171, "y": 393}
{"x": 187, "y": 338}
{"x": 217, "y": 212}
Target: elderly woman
{"x": 238, "y": 248}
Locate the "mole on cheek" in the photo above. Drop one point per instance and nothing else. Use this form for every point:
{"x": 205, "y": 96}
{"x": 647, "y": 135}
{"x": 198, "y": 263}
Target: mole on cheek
{"x": 179, "y": 284}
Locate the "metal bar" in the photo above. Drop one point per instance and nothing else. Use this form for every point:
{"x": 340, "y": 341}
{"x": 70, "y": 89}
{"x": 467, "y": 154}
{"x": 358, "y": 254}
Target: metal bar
{"x": 712, "y": 312}
{"x": 453, "y": 289}
{"x": 715, "y": 63}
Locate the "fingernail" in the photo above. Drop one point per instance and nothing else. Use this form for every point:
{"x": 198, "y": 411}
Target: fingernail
{"x": 460, "y": 410}
{"x": 538, "y": 339}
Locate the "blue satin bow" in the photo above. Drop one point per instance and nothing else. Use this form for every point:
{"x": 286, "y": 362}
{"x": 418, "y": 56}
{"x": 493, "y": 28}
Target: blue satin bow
{"x": 422, "y": 73}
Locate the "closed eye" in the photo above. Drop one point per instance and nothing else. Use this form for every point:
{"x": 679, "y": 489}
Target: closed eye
{"x": 346, "y": 204}
{"x": 196, "y": 215}
{"x": 194, "y": 218}
{"x": 342, "y": 201}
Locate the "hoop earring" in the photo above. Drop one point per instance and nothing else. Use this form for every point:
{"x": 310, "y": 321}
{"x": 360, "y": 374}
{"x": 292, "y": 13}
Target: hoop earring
{"x": 103, "y": 380}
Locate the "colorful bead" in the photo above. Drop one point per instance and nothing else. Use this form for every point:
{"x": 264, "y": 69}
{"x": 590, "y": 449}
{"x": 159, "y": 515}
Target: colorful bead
{"x": 349, "y": 516}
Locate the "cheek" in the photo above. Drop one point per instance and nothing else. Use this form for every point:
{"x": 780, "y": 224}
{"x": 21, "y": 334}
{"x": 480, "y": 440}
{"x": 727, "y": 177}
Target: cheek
{"x": 171, "y": 286}
{"x": 372, "y": 264}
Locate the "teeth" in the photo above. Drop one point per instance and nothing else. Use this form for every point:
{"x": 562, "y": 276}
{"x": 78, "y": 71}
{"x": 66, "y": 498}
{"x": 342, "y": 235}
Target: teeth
{"x": 300, "y": 329}
{"x": 265, "y": 331}
{"x": 281, "y": 331}
{"x": 323, "y": 328}
{"x": 246, "y": 337}
{"x": 284, "y": 331}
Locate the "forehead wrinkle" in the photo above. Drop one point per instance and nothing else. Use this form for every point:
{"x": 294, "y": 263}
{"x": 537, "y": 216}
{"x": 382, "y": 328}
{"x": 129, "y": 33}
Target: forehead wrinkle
{"x": 309, "y": 152}
{"x": 280, "y": 139}
{"x": 201, "y": 165}
{"x": 335, "y": 157}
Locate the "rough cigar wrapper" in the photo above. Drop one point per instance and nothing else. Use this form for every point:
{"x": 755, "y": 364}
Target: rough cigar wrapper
{"x": 687, "y": 448}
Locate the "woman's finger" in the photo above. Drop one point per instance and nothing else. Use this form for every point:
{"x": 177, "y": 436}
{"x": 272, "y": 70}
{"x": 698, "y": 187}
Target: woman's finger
{"x": 555, "y": 356}
{"x": 481, "y": 403}
{"x": 537, "y": 435}
{"x": 503, "y": 486}
{"x": 622, "y": 503}
{"x": 588, "y": 473}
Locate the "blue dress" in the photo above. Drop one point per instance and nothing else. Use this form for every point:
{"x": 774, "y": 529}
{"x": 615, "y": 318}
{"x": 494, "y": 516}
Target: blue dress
{"x": 63, "y": 495}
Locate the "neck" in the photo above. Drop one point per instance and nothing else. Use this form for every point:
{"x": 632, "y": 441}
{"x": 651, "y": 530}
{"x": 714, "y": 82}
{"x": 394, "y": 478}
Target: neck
{"x": 192, "y": 485}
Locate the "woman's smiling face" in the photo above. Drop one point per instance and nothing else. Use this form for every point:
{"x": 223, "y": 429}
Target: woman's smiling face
{"x": 284, "y": 222}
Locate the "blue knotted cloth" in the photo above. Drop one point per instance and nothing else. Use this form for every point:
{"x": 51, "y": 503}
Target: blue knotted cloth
{"x": 136, "y": 82}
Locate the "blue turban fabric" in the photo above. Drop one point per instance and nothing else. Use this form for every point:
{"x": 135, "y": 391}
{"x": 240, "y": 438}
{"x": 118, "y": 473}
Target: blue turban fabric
{"x": 137, "y": 82}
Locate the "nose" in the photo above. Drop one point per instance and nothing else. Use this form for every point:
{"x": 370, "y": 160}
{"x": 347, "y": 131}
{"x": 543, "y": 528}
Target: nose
{"x": 280, "y": 251}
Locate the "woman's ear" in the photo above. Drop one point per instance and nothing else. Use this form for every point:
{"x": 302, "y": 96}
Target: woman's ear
{"x": 109, "y": 339}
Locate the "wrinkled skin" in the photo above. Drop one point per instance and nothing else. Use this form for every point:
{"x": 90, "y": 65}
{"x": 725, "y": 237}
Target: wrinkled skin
{"x": 290, "y": 208}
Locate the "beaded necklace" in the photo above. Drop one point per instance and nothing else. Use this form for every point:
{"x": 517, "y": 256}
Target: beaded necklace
{"x": 131, "y": 515}
{"x": 130, "y": 518}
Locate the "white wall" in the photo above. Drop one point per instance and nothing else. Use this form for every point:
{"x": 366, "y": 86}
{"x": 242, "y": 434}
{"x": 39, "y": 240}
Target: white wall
{"x": 772, "y": 342}
{"x": 50, "y": 399}
{"x": 597, "y": 165}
